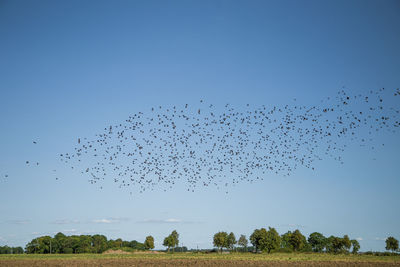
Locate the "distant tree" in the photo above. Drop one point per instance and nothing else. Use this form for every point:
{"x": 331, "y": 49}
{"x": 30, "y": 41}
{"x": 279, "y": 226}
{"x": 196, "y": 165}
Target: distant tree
{"x": 220, "y": 240}
{"x": 169, "y": 242}
{"x": 99, "y": 243}
{"x": 337, "y": 245}
{"x": 355, "y": 245}
{"x": 137, "y": 245}
{"x": 257, "y": 236}
{"x": 11, "y": 250}
{"x": 243, "y": 242}
{"x": 392, "y": 243}
{"x": 285, "y": 238}
{"x": 297, "y": 240}
{"x": 231, "y": 241}
{"x": 149, "y": 242}
{"x": 270, "y": 241}
{"x": 118, "y": 243}
{"x": 175, "y": 238}
{"x": 59, "y": 243}
{"x": 18, "y": 250}
{"x": 317, "y": 241}
{"x": 346, "y": 243}
{"x": 84, "y": 244}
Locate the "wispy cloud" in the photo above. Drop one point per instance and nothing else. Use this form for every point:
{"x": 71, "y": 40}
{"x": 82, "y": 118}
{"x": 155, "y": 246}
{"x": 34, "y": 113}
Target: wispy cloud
{"x": 293, "y": 225}
{"x": 359, "y": 238}
{"x": 69, "y": 231}
{"x": 66, "y": 221}
{"x": 110, "y": 220}
{"x": 166, "y": 221}
{"x": 101, "y": 220}
{"x": 18, "y": 221}
{"x": 170, "y": 220}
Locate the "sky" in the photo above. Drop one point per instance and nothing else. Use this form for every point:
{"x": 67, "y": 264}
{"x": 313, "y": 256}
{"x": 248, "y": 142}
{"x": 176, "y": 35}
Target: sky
{"x": 70, "y": 68}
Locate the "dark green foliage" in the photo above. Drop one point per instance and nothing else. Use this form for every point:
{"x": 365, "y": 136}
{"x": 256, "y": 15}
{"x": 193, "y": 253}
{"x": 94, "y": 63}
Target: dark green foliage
{"x": 297, "y": 240}
{"x": 256, "y": 238}
{"x": 338, "y": 245}
{"x": 317, "y": 241}
{"x": 285, "y": 241}
{"x": 77, "y": 244}
{"x": 265, "y": 240}
{"x": 355, "y": 245}
{"x": 99, "y": 243}
{"x": 243, "y": 242}
{"x": 168, "y": 242}
{"x": 392, "y": 243}
{"x": 149, "y": 242}
{"x": 172, "y": 240}
{"x": 272, "y": 241}
{"x": 220, "y": 240}
{"x": 231, "y": 241}
{"x": 11, "y": 250}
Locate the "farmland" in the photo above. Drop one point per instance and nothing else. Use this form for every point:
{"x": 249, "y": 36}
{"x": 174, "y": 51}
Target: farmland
{"x": 197, "y": 259}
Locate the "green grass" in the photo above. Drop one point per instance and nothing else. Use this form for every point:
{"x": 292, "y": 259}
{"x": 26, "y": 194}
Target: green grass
{"x": 203, "y": 256}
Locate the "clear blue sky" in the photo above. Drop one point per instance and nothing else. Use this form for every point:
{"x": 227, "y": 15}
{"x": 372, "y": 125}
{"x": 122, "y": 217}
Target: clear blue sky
{"x": 70, "y": 68}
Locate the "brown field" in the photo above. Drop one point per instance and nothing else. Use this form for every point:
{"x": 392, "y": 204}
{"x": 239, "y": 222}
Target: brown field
{"x": 193, "y": 259}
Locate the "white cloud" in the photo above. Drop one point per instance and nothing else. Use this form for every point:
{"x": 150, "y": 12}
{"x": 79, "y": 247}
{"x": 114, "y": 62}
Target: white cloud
{"x": 102, "y": 221}
{"x": 110, "y": 220}
{"x": 166, "y": 221}
{"x": 66, "y": 221}
{"x": 359, "y": 238}
{"x": 172, "y": 220}
{"x": 18, "y": 221}
{"x": 69, "y": 231}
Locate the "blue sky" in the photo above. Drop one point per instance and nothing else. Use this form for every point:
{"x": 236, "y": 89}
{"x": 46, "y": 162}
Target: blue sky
{"x": 69, "y": 69}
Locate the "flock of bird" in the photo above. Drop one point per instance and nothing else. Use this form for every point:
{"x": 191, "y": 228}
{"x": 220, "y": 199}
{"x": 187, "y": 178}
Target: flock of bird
{"x": 206, "y": 146}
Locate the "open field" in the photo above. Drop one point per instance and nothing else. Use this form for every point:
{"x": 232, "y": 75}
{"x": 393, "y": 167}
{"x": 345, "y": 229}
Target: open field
{"x": 198, "y": 259}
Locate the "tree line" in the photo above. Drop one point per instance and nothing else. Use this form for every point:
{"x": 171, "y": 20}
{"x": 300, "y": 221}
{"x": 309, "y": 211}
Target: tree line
{"x": 61, "y": 243}
{"x": 11, "y": 250}
{"x": 264, "y": 240}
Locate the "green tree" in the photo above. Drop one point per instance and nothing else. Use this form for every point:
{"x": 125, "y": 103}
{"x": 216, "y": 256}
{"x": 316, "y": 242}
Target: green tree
{"x": 99, "y": 243}
{"x": 317, "y": 241}
{"x": 270, "y": 241}
{"x": 175, "y": 238}
{"x": 355, "y": 245}
{"x": 346, "y": 243}
{"x": 337, "y": 244}
{"x": 257, "y": 236}
{"x": 285, "y": 238}
{"x": 149, "y": 242}
{"x": 392, "y": 243}
{"x": 243, "y": 242}
{"x": 297, "y": 240}
{"x": 137, "y": 245}
{"x": 118, "y": 243}
{"x": 59, "y": 243}
{"x": 169, "y": 242}
{"x": 231, "y": 241}
{"x": 220, "y": 240}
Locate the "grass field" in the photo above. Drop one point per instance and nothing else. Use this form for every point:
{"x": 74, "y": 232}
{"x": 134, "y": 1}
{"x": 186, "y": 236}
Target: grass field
{"x": 198, "y": 259}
